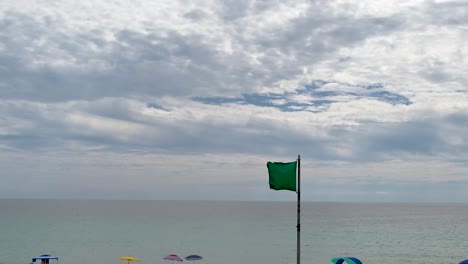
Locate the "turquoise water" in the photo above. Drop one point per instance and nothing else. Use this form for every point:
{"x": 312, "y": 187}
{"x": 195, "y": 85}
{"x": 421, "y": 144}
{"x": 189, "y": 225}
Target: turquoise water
{"x": 231, "y": 232}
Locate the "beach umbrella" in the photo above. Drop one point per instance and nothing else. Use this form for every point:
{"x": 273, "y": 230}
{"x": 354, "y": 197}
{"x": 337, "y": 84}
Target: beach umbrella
{"x": 348, "y": 260}
{"x": 129, "y": 259}
{"x": 193, "y": 257}
{"x": 464, "y": 261}
{"x": 44, "y": 258}
{"x": 173, "y": 257}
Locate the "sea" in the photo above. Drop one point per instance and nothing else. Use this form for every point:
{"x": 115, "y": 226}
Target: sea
{"x": 232, "y": 232}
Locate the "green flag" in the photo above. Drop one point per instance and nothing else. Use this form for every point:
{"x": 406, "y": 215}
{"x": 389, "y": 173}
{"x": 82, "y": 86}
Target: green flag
{"x": 282, "y": 175}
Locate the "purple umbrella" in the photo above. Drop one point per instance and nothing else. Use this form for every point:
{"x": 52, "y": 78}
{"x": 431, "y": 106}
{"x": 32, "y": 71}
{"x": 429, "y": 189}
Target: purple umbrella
{"x": 173, "y": 257}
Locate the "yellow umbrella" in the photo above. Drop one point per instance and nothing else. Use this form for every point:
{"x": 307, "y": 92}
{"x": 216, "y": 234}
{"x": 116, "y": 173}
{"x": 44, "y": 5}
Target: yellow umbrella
{"x": 129, "y": 259}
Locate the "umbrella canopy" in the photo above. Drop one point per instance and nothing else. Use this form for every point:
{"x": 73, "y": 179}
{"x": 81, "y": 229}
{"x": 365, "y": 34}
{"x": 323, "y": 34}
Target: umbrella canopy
{"x": 44, "y": 257}
{"x": 173, "y": 257}
{"x": 464, "y": 261}
{"x": 129, "y": 259}
{"x": 348, "y": 260}
{"x": 193, "y": 257}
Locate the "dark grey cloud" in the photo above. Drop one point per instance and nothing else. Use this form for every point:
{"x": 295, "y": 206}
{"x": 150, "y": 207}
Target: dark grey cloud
{"x": 132, "y": 64}
{"x": 437, "y": 75}
{"x": 447, "y": 13}
{"x": 416, "y": 137}
{"x": 429, "y": 137}
{"x": 49, "y": 128}
{"x": 370, "y": 142}
{"x": 45, "y": 61}
{"x": 310, "y": 39}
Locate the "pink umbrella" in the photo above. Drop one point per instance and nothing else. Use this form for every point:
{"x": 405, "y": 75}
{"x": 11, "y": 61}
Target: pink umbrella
{"x": 173, "y": 257}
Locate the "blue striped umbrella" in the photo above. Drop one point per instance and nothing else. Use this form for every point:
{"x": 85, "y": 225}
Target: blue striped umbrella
{"x": 348, "y": 260}
{"x": 44, "y": 258}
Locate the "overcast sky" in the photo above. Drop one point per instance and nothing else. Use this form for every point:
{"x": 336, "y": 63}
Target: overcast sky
{"x": 146, "y": 99}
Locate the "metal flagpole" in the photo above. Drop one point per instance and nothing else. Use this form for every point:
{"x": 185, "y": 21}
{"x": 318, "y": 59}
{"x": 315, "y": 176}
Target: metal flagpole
{"x": 298, "y": 209}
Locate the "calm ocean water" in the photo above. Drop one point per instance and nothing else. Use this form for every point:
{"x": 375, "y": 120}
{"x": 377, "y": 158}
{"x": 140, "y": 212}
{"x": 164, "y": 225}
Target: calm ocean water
{"x": 231, "y": 232}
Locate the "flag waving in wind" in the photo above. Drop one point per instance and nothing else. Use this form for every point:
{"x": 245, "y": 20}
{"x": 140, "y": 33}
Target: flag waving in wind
{"x": 282, "y": 175}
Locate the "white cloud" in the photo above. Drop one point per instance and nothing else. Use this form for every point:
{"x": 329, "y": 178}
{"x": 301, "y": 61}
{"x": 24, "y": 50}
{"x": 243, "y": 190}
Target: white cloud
{"x": 379, "y": 85}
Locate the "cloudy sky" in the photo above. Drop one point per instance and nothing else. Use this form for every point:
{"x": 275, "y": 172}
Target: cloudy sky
{"x": 147, "y": 99}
